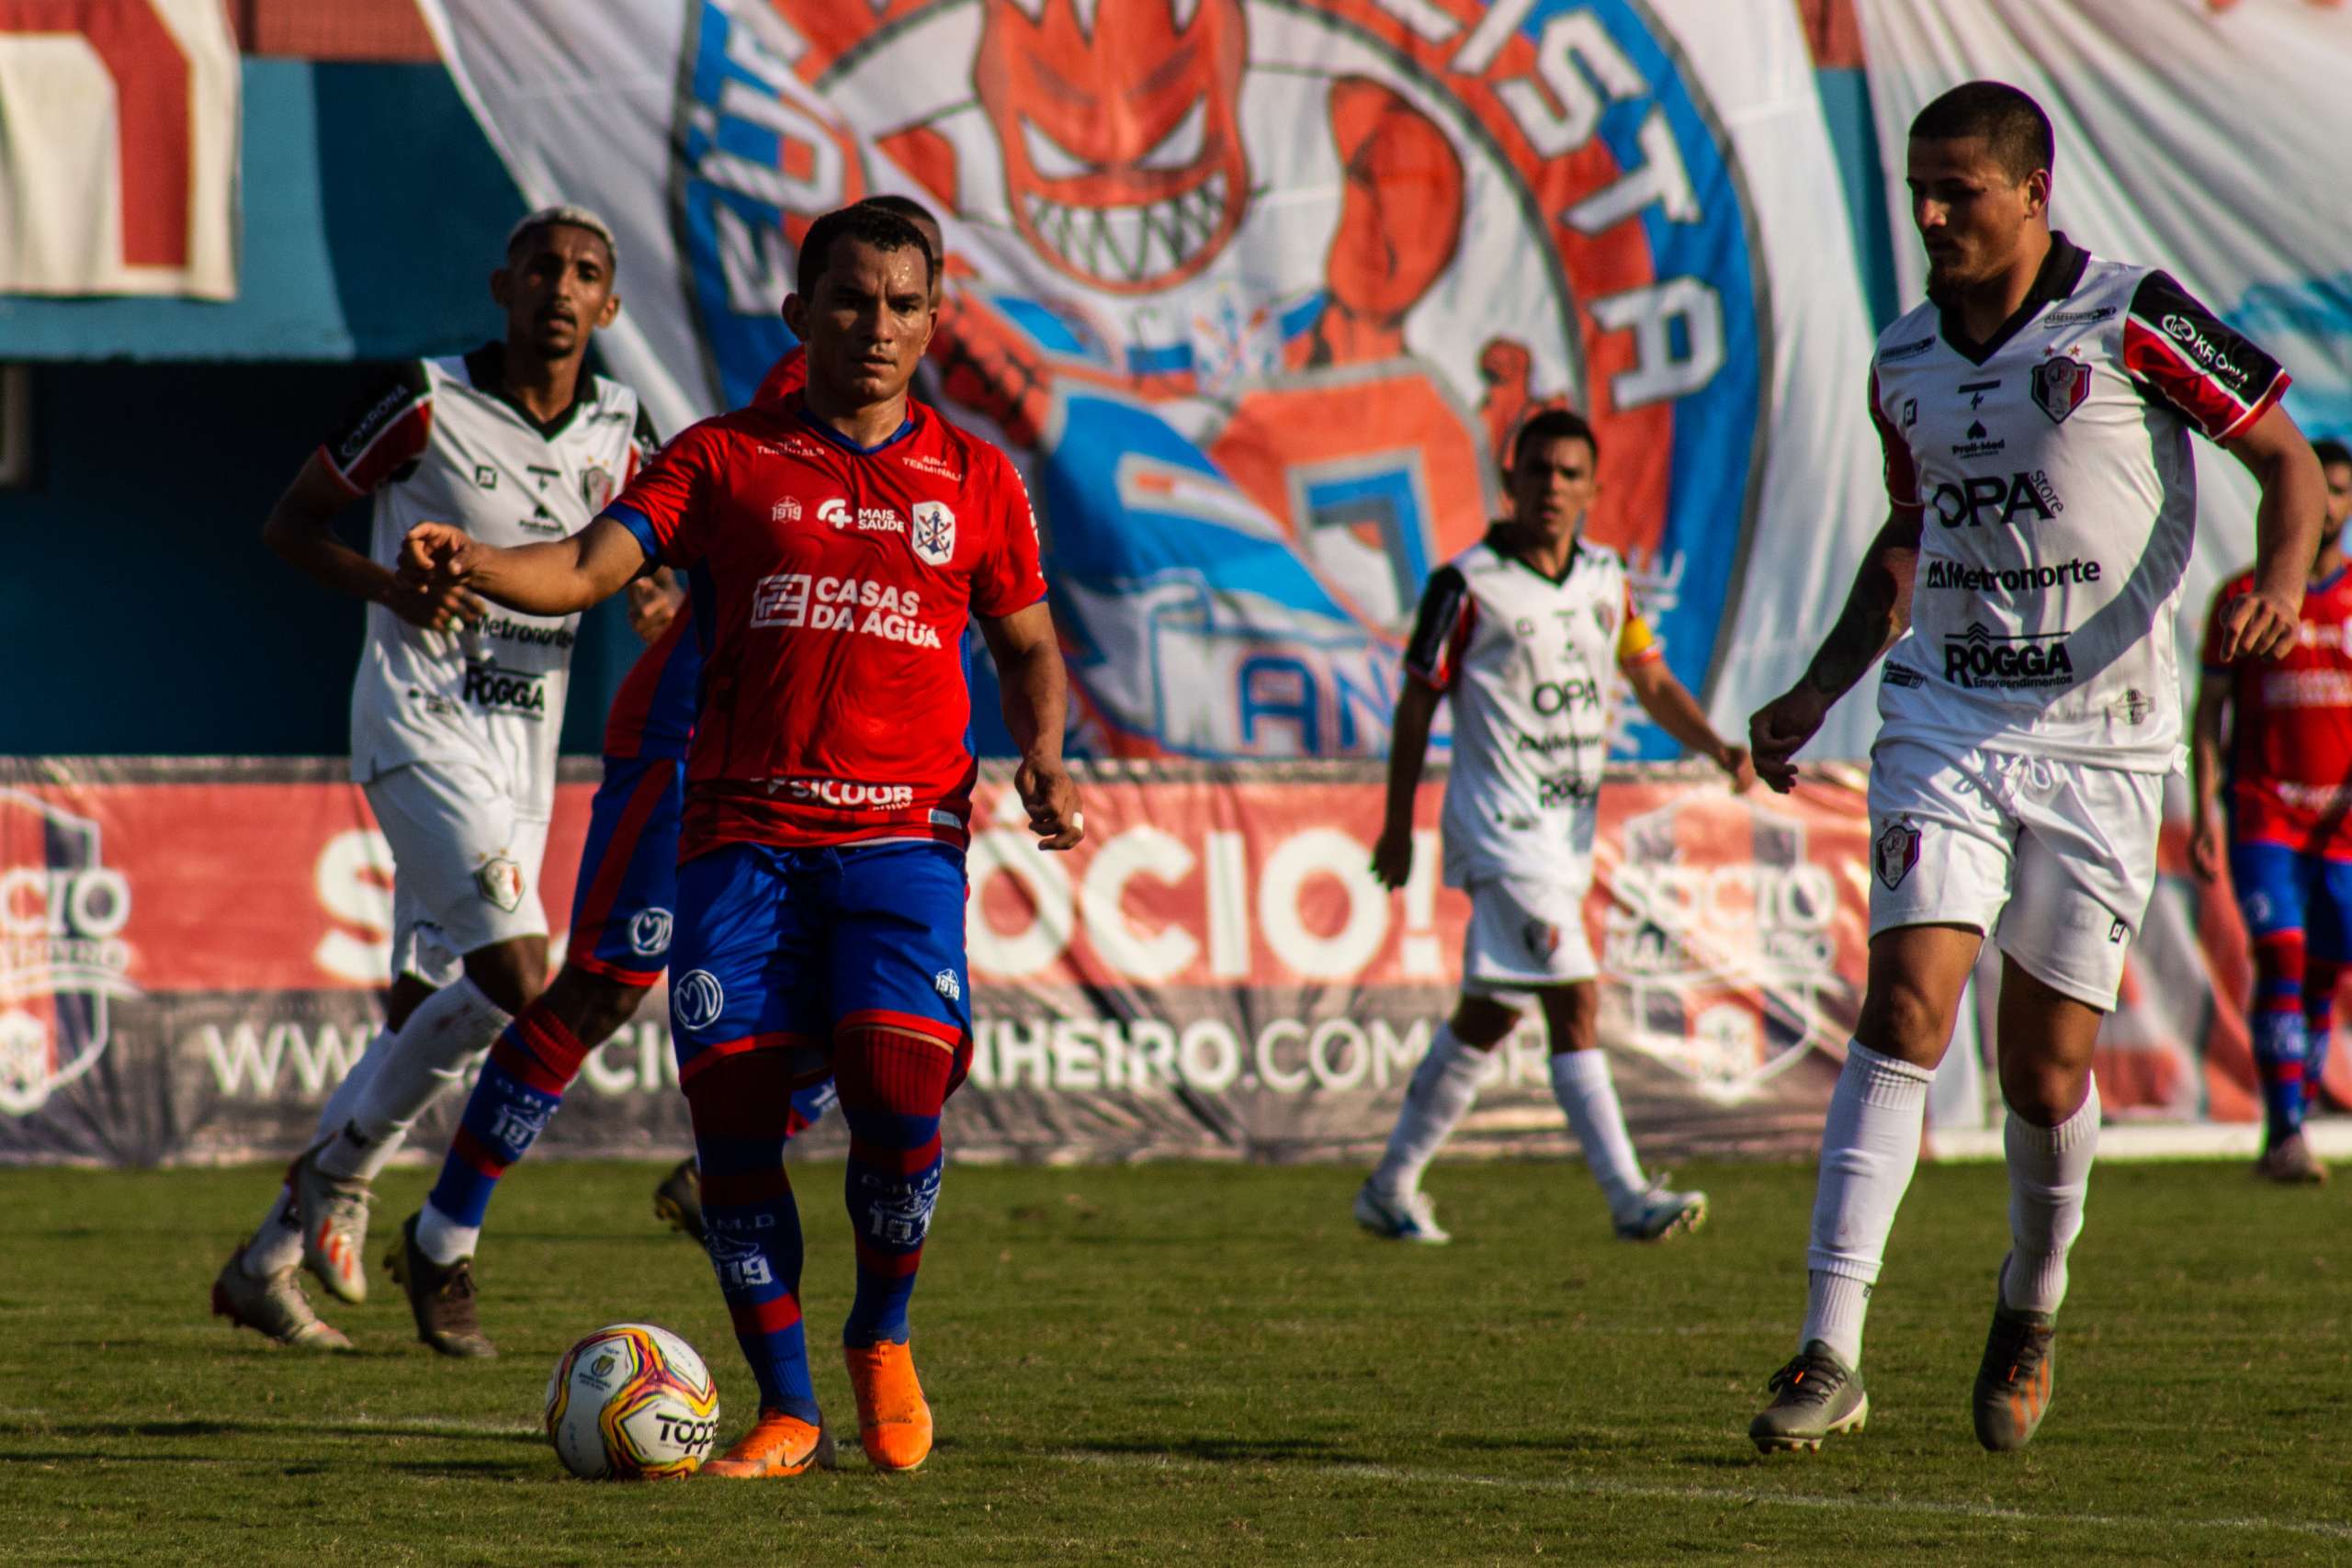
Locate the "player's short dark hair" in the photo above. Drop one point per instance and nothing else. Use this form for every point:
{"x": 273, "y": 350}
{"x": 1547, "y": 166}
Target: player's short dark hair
{"x": 2013, "y": 126}
{"x": 2332, "y": 453}
{"x": 906, "y": 207}
{"x": 867, "y": 224}
{"x": 1554, "y": 424}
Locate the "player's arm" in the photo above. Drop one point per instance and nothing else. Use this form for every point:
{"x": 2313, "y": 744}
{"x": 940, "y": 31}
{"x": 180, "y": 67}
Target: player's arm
{"x": 1877, "y": 612}
{"x": 1669, "y": 703}
{"x": 2206, "y": 736}
{"x": 300, "y": 532}
{"x": 1408, "y": 746}
{"x": 1037, "y": 702}
{"x": 554, "y": 577}
{"x": 2286, "y": 525}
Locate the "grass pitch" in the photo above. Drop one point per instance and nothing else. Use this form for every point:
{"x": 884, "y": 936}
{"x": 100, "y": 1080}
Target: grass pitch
{"x": 1210, "y": 1364}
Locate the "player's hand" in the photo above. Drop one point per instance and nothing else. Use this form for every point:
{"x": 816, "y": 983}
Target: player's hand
{"x": 1392, "y": 857}
{"x": 1738, "y": 766}
{"x": 2258, "y": 626}
{"x": 1050, "y": 796}
{"x": 653, "y": 603}
{"x": 2205, "y": 846}
{"x": 436, "y": 552}
{"x": 1779, "y": 728}
{"x": 436, "y": 606}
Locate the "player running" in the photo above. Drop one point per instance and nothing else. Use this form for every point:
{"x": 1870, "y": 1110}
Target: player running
{"x": 1526, "y": 633}
{"x": 836, "y": 541}
{"x": 2035, "y": 415}
{"x": 455, "y": 714}
{"x": 2290, "y": 775}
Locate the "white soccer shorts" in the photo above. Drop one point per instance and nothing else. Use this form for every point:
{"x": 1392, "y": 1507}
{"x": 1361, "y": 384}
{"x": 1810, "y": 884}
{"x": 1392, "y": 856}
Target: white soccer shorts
{"x": 2055, "y": 860}
{"x": 466, "y": 866}
{"x": 1525, "y": 933}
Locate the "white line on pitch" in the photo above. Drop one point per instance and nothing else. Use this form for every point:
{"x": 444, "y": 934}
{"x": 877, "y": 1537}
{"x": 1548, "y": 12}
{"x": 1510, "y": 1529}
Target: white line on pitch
{"x": 1603, "y": 1487}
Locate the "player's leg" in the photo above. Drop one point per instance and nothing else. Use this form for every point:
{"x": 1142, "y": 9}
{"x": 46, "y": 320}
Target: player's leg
{"x": 2324, "y": 965}
{"x": 746, "y": 1012}
{"x": 2274, "y": 886}
{"x": 1940, "y": 865}
{"x": 677, "y": 1198}
{"x": 1390, "y": 1203}
{"x": 902, "y": 1042}
{"x": 1641, "y": 1210}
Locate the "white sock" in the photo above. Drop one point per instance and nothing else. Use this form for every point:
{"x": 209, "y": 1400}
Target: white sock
{"x": 2049, "y": 1174}
{"x": 1870, "y": 1145}
{"x": 1441, "y": 1094}
{"x": 1580, "y": 1082}
{"x": 443, "y": 1239}
{"x": 424, "y": 1061}
{"x": 277, "y": 1245}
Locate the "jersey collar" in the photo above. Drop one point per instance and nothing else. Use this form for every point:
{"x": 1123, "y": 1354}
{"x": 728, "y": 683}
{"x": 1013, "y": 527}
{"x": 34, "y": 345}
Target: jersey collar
{"x": 819, "y": 427}
{"x": 1576, "y": 554}
{"x": 2062, "y": 269}
{"x": 486, "y": 369}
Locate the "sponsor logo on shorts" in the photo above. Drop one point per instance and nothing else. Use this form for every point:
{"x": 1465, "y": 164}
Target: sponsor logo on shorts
{"x": 1969, "y": 578}
{"x": 1894, "y": 853}
{"x": 934, "y": 537}
{"x": 519, "y": 693}
{"x": 648, "y": 932}
{"x": 798, "y": 600}
{"x": 500, "y": 880}
{"x": 697, "y": 999}
{"x": 2118, "y": 931}
{"x": 2013, "y": 502}
{"x": 947, "y": 986}
{"x": 1980, "y": 659}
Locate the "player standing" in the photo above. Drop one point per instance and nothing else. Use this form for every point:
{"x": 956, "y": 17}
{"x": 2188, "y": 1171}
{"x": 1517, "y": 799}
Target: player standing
{"x": 836, "y": 541}
{"x": 455, "y": 715}
{"x": 2035, "y": 415}
{"x": 2289, "y": 774}
{"x": 1526, "y": 633}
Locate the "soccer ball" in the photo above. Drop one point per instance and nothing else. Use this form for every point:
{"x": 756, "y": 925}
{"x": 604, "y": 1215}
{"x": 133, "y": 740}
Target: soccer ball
{"x": 632, "y": 1403}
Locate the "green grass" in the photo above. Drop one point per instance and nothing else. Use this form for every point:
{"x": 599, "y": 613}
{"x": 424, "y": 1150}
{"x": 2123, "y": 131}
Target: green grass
{"x": 1209, "y": 1364}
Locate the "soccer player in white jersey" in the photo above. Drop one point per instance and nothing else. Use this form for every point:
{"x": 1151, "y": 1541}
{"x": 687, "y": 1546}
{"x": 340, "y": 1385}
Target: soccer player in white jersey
{"x": 1527, "y": 633}
{"x": 2035, "y": 414}
{"x": 455, "y": 714}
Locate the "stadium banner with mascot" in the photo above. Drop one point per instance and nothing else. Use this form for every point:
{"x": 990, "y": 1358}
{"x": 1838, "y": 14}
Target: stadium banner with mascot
{"x": 1254, "y": 292}
{"x": 192, "y": 952}
{"x": 2203, "y": 135}
{"x": 119, "y": 145}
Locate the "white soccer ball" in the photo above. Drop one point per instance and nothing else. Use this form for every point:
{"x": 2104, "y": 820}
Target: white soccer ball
{"x": 632, "y": 1403}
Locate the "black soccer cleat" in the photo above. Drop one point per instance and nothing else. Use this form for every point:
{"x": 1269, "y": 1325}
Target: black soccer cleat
{"x": 678, "y": 1201}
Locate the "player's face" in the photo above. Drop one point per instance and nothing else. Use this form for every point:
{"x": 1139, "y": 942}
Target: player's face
{"x": 2339, "y": 497}
{"x": 867, "y": 322}
{"x": 1973, "y": 217}
{"x": 1552, "y": 484}
{"x": 557, "y": 288}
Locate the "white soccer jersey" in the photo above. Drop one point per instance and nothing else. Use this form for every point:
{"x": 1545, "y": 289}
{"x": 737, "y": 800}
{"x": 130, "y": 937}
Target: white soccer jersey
{"x": 442, "y": 443}
{"x": 1530, "y": 665}
{"x": 2058, "y": 495}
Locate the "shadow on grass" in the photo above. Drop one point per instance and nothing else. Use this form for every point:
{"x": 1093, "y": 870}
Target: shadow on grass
{"x": 1229, "y": 1450}
{"x": 376, "y": 1431}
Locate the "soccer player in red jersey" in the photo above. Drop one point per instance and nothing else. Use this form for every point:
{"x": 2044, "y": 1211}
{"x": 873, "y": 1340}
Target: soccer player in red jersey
{"x": 788, "y": 374}
{"x": 836, "y": 541}
{"x": 2289, "y": 770}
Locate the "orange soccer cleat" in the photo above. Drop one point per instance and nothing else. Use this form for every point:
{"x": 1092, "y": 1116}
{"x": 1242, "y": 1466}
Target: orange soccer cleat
{"x": 777, "y": 1444}
{"x": 893, "y": 1421}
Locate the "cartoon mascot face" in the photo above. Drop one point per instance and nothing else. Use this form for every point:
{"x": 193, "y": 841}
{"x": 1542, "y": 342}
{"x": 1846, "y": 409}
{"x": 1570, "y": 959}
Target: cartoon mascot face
{"x": 1120, "y": 121}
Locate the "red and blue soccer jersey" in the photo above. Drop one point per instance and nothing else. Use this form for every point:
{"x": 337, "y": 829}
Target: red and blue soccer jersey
{"x": 653, "y": 713}
{"x": 2290, "y": 723}
{"x": 830, "y": 585}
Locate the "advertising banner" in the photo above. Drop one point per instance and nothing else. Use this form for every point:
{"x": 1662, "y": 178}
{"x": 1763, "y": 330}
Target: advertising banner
{"x": 1256, "y": 291}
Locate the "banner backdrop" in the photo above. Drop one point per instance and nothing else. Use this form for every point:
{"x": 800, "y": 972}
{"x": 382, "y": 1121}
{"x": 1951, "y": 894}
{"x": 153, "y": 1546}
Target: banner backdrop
{"x": 191, "y": 952}
{"x": 2205, "y": 138}
{"x": 117, "y": 148}
{"x": 1254, "y": 291}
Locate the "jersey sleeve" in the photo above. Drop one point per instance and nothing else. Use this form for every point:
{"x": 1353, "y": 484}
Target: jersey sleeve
{"x": 2181, "y": 354}
{"x": 1008, "y": 578}
{"x": 1636, "y": 642}
{"x": 1894, "y": 449}
{"x": 666, "y": 506}
{"x": 1442, "y": 629}
{"x": 643, "y": 442}
{"x": 383, "y": 437}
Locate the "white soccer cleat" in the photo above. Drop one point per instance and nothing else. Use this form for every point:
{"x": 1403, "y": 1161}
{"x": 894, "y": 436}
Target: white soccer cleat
{"x": 1661, "y": 1214}
{"x": 333, "y": 1214}
{"x": 1408, "y": 1217}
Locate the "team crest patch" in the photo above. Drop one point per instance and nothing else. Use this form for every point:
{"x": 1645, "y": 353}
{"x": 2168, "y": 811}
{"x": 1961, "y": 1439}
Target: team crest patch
{"x": 933, "y": 534}
{"x": 501, "y": 882}
{"x": 1542, "y": 937}
{"x": 1896, "y": 851}
{"x": 596, "y": 487}
{"x": 2059, "y": 385}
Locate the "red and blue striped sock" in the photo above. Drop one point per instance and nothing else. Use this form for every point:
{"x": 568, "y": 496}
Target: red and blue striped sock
{"x": 2322, "y": 979}
{"x": 892, "y": 1088}
{"x": 2279, "y": 1045}
{"x": 531, "y": 1064}
{"x": 751, "y": 1224}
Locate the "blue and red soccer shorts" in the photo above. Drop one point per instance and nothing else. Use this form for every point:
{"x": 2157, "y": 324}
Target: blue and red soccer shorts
{"x": 2281, "y": 889}
{"x": 782, "y": 948}
{"x": 621, "y": 912}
